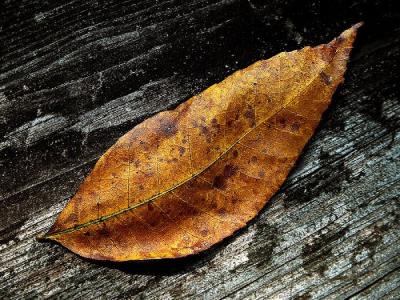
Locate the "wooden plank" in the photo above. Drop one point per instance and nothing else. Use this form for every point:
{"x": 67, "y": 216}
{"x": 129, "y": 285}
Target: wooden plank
{"x": 76, "y": 75}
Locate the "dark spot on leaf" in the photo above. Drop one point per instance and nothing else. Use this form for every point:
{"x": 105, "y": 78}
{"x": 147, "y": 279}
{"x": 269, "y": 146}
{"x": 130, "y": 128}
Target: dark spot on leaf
{"x": 221, "y": 212}
{"x": 230, "y": 170}
{"x": 168, "y": 127}
{"x": 73, "y": 218}
{"x": 235, "y": 153}
{"x": 204, "y": 231}
{"x": 154, "y": 221}
{"x": 104, "y": 231}
{"x": 251, "y": 116}
{"x": 327, "y": 79}
{"x": 219, "y": 180}
{"x": 295, "y": 126}
{"x": 206, "y": 132}
{"x": 181, "y": 150}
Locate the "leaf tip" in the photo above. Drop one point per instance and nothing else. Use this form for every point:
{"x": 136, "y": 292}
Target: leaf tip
{"x": 350, "y": 33}
{"x": 342, "y": 45}
{"x": 358, "y": 25}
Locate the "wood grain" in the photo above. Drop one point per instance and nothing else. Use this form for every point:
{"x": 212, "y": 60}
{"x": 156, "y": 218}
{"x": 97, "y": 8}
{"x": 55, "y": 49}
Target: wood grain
{"x": 77, "y": 75}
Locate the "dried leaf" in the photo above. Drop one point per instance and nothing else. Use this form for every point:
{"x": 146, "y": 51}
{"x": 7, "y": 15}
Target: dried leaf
{"x": 185, "y": 179}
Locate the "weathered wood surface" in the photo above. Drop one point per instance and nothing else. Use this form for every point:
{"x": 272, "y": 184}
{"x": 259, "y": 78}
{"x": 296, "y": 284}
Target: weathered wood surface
{"x": 76, "y": 75}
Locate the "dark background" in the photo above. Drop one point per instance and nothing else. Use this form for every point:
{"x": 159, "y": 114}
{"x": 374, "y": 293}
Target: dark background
{"x": 76, "y": 75}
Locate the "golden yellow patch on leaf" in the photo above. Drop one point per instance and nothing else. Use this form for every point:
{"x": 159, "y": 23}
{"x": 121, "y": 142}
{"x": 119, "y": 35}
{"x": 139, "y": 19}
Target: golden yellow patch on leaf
{"x": 185, "y": 179}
